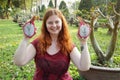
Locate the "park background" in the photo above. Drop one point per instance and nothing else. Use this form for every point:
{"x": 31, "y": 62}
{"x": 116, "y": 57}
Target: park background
{"x": 14, "y": 13}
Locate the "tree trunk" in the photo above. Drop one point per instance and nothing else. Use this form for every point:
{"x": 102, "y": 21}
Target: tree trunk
{"x": 31, "y": 6}
{"x": 112, "y": 45}
{"x": 110, "y": 30}
{"x": 25, "y": 5}
{"x": 55, "y": 3}
{"x": 95, "y": 44}
{"x": 7, "y": 7}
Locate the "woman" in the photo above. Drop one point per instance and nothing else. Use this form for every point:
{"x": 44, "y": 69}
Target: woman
{"x": 53, "y": 50}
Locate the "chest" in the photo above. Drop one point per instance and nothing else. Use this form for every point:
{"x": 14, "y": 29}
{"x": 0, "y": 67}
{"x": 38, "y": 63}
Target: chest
{"x": 53, "y": 49}
{"x": 53, "y": 64}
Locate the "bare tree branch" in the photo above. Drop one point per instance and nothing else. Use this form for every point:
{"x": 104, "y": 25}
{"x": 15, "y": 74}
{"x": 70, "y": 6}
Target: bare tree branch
{"x": 95, "y": 21}
{"x": 101, "y": 13}
{"x": 115, "y": 11}
{"x": 107, "y": 17}
{"x": 111, "y": 22}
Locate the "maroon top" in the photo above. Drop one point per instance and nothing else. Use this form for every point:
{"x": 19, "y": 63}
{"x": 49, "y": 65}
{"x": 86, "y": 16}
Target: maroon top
{"x": 51, "y": 67}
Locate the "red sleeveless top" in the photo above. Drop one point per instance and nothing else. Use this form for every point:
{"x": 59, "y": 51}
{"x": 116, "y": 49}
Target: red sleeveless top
{"x": 51, "y": 67}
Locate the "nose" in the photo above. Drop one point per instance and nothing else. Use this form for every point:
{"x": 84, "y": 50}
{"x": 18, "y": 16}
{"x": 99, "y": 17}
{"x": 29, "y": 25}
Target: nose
{"x": 54, "y": 24}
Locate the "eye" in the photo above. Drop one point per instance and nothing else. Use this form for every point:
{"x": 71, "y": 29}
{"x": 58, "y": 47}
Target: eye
{"x": 56, "y": 21}
{"x": 50, "y": 22}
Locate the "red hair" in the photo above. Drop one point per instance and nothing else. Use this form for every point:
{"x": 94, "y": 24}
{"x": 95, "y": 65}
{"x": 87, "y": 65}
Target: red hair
{"x": 64, "y": 40}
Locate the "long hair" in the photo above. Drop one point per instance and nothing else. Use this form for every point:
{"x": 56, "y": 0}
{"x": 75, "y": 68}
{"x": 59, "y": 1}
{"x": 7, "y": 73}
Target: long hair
{"x": 64, "y": 40}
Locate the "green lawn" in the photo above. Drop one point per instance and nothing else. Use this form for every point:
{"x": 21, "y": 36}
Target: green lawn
{"x": 11, "y": 35}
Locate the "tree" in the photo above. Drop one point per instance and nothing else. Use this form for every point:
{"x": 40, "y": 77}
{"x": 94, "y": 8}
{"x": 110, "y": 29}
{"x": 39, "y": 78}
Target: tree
{"x": 101, "y": 2}
{"x": 117, "y": 10}
{"x": 16, "y": 3}
{"x": 31, "y": 5}
{"x": 106, "y": 56}
{"x": 75, "y": 5}
{"x": 43, "y": 8}
{"x": 4, "y": 8}
{"x": 55, "y": 3}
{"x": 85, "y": 4}
{"x": 50, "y": 4}
{"x": 42, "y": 11}
{"x": 7, "y": 8}
{"x": 64, "y": 9}
{"x": 84, "y": 8}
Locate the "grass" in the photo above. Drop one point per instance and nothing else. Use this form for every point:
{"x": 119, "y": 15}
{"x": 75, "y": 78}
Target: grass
{"x": 11, "y": 35}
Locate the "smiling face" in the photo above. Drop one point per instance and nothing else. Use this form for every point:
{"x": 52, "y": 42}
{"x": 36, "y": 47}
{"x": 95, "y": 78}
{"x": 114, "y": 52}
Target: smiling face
{"x": 54, "y": 25}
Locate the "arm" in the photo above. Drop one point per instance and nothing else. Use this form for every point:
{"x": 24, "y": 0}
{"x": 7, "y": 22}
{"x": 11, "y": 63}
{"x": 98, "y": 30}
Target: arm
{"x": 24, "y": 53}
{"x": 82, "y": 61}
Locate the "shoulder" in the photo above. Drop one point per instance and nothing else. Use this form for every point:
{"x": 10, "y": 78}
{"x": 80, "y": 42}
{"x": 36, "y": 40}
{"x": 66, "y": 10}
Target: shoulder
{"x": 35, "y": 42}
{"x": 73, "y": 46}
{"x": 74, "y": 50}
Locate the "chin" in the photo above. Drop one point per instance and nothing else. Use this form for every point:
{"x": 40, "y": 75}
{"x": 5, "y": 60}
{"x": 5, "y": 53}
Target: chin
{"x": 54, "y": 33}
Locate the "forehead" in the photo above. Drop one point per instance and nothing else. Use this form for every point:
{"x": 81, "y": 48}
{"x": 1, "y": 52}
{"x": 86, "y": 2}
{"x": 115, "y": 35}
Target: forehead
{"x": 53, "y": 17}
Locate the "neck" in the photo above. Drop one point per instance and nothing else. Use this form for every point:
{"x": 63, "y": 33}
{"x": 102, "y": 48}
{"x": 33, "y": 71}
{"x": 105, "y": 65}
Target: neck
{"x": 54, "y": 38}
